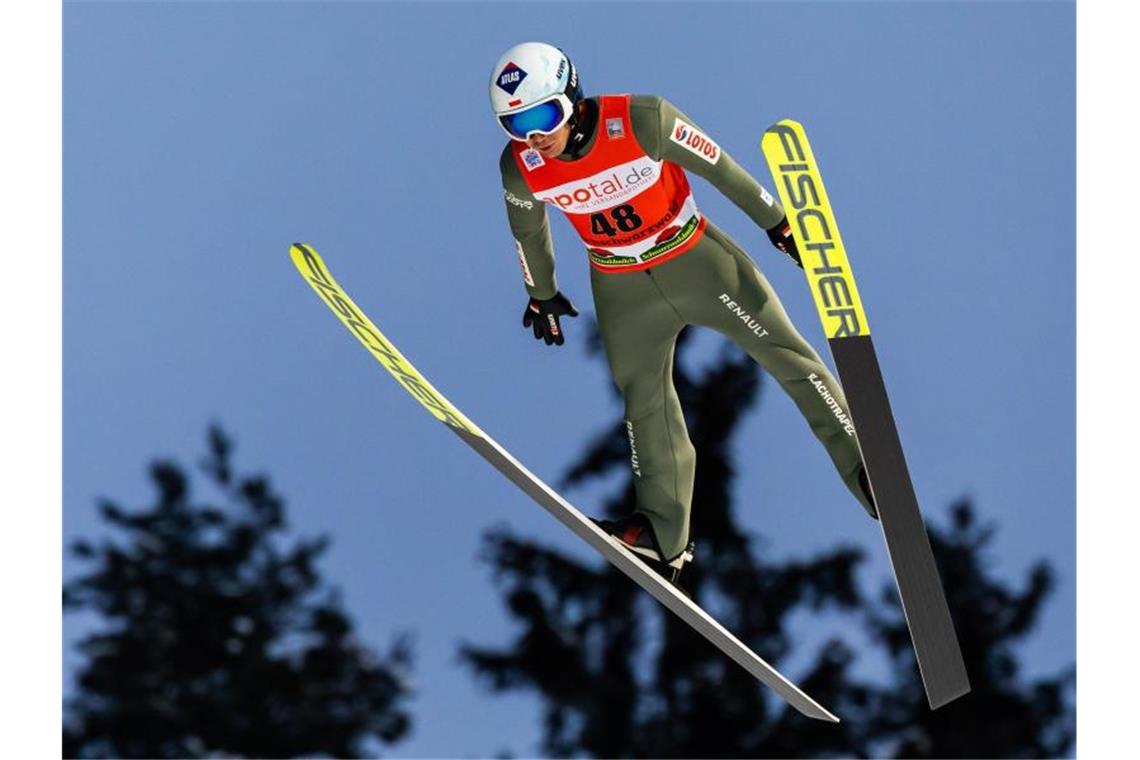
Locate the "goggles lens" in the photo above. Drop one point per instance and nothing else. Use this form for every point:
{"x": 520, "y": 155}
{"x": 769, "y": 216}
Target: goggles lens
{"x": 544, "y": 117}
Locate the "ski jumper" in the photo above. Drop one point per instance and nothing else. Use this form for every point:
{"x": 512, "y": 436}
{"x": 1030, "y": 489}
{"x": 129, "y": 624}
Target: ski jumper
{"x": 657, "y": 265}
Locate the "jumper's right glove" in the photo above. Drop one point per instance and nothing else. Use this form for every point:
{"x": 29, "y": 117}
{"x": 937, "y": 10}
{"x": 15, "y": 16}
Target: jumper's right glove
{"x": 781, "y": 237}
{"x": 542, "y": 317}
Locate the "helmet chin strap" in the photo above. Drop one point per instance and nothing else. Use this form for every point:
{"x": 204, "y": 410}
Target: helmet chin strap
{"x": 582, "y": 125}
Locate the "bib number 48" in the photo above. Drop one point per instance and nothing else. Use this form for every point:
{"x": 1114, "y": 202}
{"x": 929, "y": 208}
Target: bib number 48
{"x": 623, "y": 216}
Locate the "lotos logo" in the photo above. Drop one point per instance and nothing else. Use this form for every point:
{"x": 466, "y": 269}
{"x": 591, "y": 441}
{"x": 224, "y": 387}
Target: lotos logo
{"x": 693, "y": 140}
{"x": 511, "y": 77}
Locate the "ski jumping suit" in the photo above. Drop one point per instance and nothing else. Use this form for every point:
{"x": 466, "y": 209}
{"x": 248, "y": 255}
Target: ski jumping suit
{"x": 658, "y": 265}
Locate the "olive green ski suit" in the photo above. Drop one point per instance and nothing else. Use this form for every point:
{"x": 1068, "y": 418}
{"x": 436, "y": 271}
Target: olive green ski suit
{"x": 640, "y": 314}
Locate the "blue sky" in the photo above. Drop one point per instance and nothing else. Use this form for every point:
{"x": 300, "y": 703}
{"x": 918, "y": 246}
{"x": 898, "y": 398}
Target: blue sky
{"x": 201, "y": 139}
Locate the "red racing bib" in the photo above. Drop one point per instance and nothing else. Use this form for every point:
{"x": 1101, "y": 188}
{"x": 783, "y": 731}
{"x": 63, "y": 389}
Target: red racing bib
{"x": 631, "y": 211}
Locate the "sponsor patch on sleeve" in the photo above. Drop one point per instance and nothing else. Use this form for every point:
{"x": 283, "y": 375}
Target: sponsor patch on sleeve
{"x": 615, "y": 128}
{"x": 514, "y": 200}
{"x": 766, "y": 196}
{"x": 695, "y": 141}
{"x": 527, "y": 278}
{"x": 532, "y": 159}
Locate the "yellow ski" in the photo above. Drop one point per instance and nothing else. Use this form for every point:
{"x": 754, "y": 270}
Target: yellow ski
{"x": 828, "y": 271}
{"x": 313, "y": 269}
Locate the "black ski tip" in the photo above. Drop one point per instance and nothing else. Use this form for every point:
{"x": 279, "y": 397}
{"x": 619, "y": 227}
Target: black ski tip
{"x": 782, "y": 124}
{"x": 944, "y": 698}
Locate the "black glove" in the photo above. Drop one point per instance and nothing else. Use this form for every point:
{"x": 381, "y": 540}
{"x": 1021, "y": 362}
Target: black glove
{"x": 781, "y": 237}
{"x": 542, "y": 317}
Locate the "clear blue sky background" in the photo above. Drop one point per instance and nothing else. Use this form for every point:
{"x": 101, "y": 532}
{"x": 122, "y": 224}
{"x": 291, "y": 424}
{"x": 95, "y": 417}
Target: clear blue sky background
{"x": 201, "y": 139}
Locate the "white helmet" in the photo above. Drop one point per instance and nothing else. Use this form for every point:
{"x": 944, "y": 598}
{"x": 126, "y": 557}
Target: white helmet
{"x": 534, "y": 87}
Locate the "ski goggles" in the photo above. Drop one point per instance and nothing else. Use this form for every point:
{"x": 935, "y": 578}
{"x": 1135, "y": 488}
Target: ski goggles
{"x": 544, "y": 118}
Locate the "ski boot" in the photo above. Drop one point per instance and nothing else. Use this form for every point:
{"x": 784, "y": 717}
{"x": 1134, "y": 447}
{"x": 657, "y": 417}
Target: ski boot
{"x": 636, "y": 533}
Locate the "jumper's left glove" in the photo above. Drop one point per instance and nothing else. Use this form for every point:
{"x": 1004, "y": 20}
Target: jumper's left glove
{"x": 542, "y": 317}
{"x": 781, "y": 237}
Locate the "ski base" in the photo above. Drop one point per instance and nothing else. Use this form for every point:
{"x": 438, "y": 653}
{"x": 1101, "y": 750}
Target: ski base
{"x": 313, "y": 269}
{"x": 920, "y": 588}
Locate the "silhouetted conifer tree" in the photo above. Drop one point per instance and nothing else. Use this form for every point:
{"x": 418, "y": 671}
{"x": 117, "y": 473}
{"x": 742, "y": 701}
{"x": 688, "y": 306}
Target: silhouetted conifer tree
{"x": 620, "y": 676}
{"x": 1004, "y": 715}
{"x": 217, "y": 640}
